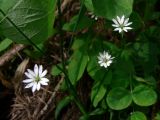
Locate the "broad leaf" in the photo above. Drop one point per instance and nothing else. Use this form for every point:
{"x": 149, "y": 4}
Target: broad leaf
{"x": 33, "y": 18}
{"x": 78, "y": 62}
{"x": 99, "y": 88}
{"x": 137, "y": 116}
{"x": 77, "y": 66}
{"x": 56, "y": 69}
{"x": 121, "y": 73}
{"x": 119, "y": 98}
{"x": 83, "y": 23}
{"x": 63, "y": 103}
{"x": 112, "y": 8}
{"x": 144, "y": 96}
{"x": 5, "y": 44}
{"x": 157, "y": 117}
{"x": 89, "y": 5}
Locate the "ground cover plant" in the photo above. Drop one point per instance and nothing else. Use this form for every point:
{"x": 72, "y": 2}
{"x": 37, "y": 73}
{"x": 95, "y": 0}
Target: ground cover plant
{"x": 79, "y": 59}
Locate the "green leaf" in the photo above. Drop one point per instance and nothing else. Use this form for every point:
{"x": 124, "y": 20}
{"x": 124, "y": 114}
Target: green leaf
{"x": 122, "y": 74}
{"x": 138, "y": 116}
{"x": 157, "y": 116}
{"x": 150, "y": 80}
{"x": 112, "y": 8}
{"x": 126, "y": 53}
{"x": 61, "y": 104}
{"x": 144, "y": 96}
{"x": 97, "y": 111}
{"x": 136, "y": 20}
{"x": 147, "y": 53}
{"x": 78, "y": 43}
{"x": 34, "y": 19}
{"x": 55, "y": 70}
{"x": 78, "y": 62}
{"x": 94, "y": 115}
{"x": 84, "y": 22}
{"x": 89, "y": 5}
{"x": 77, "y": 66}
{"x": 99, "y": 88}
{"x": 97, "y": 93}
{"x": 119, "y": 98}
{"x": 5, "y": 44}
{"x": 35, "y": 53}
{"x": 142, "y": 49}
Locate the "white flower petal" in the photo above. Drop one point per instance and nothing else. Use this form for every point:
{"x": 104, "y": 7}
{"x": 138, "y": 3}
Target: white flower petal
{"x": 44, "y": 79}
{"x": 122, "y": 20}
{"x": 31, "y": 72}
{"x": 34, "y": 87}
{"x": 120, "y": 24}
{"x": 115, "y": 25}
{"x": 40, "y": 69}
{"x": 27, "y": 80}
{"x": 105, "y": 65}
{"x": 128, "y": 24}
{"x": 36, "y": 69}
{"x": 43, "y": 83}
{"x": 96, "y": 18}
{"x": 127, "y": 28}
{"x": 115, "y": 21}
{"x": 120, "y": 30}
{"x": 28, "y": 75}
{"x": 117, "y": 29}
{"x": 126, "y": 21}
{"x": 29, "y": 85}
{"x": 36, "y": 78}
{"x": 105, "y": 60}
{"x": 43, "y": 73}
{"x": 38, "y": 86}
{"x": 118, "y": 19}
{"x": 92, "y": 16}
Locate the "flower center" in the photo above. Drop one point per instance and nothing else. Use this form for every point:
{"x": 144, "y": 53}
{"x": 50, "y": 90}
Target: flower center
{"x": 37, "y": 78}
{"x": 105, "y": 60}
{"x": 121, "y": 26}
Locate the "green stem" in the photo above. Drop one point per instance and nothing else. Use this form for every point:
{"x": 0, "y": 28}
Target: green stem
{"x": 70, "y": 87}
{"x": 76, "y": 24}
{"x": 122, "y": 34}
{"x": 111, "y": 115}
{"x": 20, "y": 31}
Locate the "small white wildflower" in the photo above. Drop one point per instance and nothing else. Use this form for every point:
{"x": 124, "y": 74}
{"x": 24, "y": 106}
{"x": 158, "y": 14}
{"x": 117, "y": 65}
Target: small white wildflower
{"x": 36, "y": 78}
{"x": 121, "y": 24}
{"x": 105, "y": 59}
{"x": 93, "y": 16}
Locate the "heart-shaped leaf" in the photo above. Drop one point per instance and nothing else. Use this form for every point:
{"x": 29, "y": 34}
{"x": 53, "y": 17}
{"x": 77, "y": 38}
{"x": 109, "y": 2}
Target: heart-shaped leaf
{"x": 144, "y": 96}
{"x": 119, "y": 98}
{"x": 112, "y": 8}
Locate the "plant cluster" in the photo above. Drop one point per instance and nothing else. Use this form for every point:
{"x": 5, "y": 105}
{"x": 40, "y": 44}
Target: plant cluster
{"x": 121, "y": 59}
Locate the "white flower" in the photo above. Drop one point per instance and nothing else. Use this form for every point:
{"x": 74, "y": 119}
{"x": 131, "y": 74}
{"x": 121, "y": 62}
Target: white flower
{"x": 121, "y": 24}
{"x": 36, "y": 78}
{"x": 105, "y": 59}
{"x": 93, "y": 16}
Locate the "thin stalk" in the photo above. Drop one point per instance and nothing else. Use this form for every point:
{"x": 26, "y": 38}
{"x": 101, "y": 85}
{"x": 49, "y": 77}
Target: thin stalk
{"x": 76, "y": 24}
{"x": 70, "y": 87}
{"x": 20, "y": 31}
{"x": 111, "y": 115}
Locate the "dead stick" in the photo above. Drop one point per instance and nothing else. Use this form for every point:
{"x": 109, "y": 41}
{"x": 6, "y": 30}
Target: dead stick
{"x": 52, "y": 97}
{"x": 63, "y": 6}
{"x": 10, "y": 53}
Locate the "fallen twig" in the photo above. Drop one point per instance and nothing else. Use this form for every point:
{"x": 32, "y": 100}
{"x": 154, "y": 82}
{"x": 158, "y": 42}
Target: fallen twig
{"x": 11, "y": 53}
{"x": 51, "y": 98}
{"x": 63, "y": 6}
